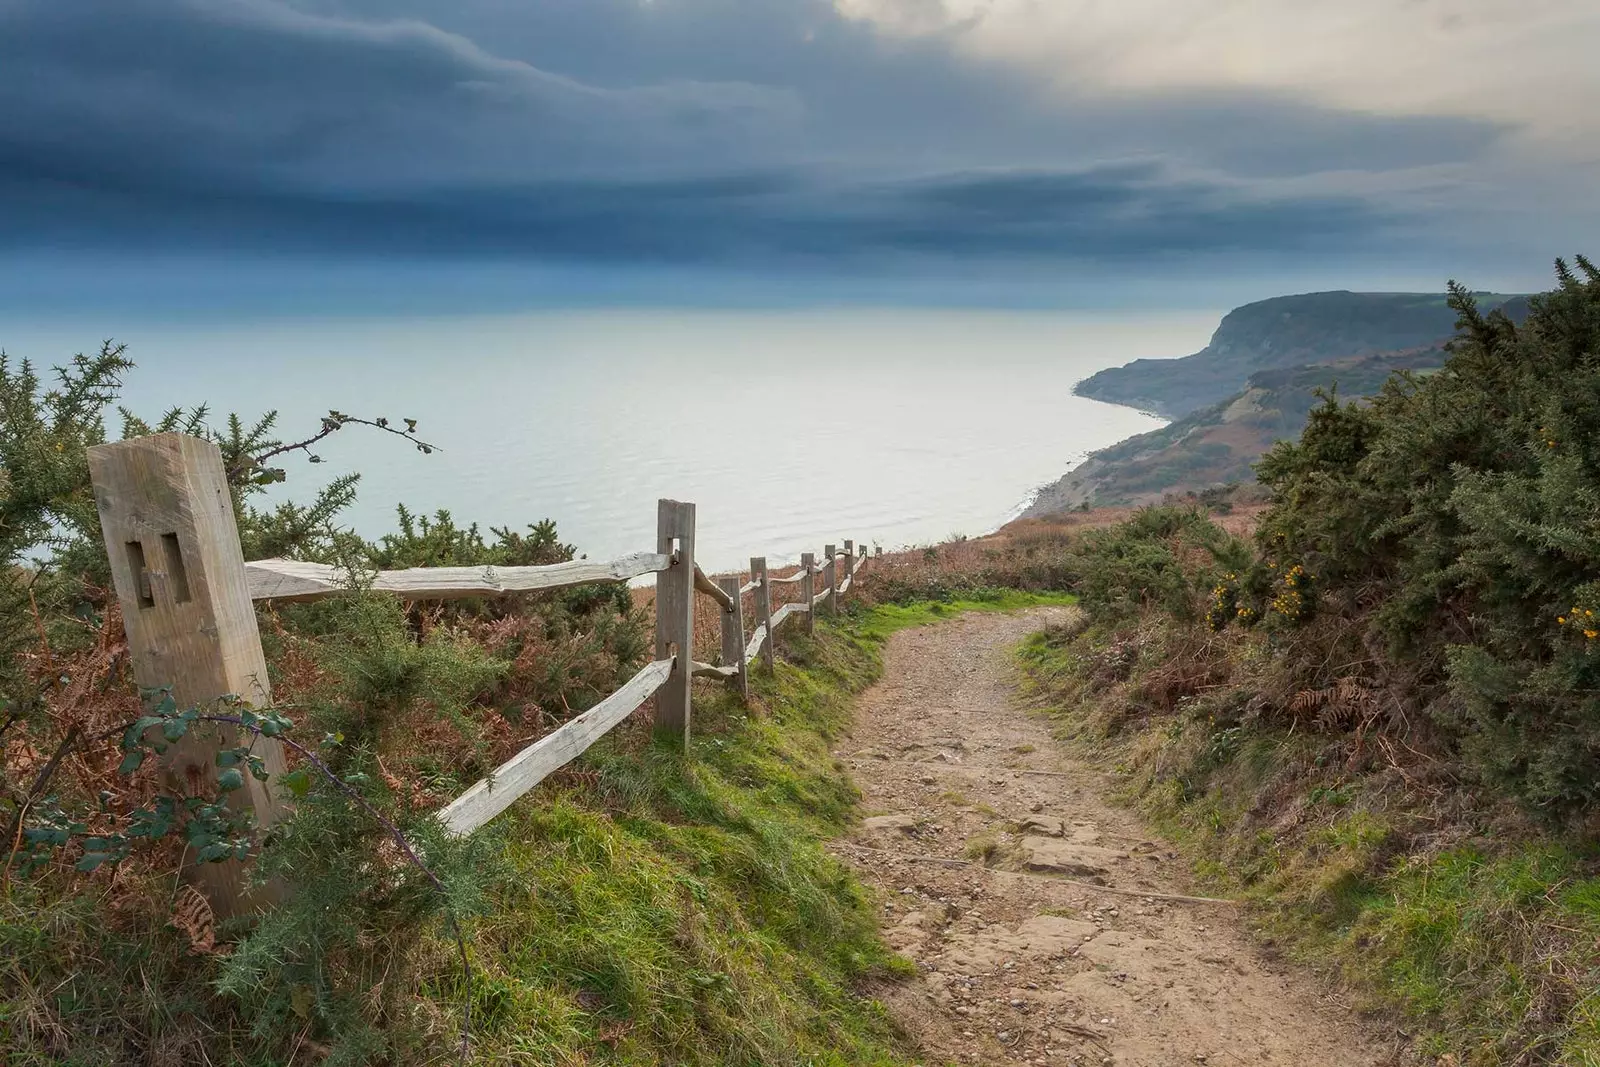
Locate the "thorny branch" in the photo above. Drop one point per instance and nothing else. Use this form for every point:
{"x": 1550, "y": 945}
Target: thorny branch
{"x": 332, "y": 422}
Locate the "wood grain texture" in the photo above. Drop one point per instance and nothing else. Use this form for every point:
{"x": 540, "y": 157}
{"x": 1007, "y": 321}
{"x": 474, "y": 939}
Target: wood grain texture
{"x": 287, "y": 579}
{"x": 786, "y": 612}
{"x": 733, "y": 638}
{"x": 830, "y": 578}
{"x": 758, "y": 640}
{"x": 675, "y": 615}
{"x": 799, "y": 576}
{"x": 758, "y": 571}
{"x": 711, "y": 589}
{"x": 808, "y": 568}
{"x": 707, "y": 670}
{"x": 550, "y": 753}
{"x": 170, "y": 534}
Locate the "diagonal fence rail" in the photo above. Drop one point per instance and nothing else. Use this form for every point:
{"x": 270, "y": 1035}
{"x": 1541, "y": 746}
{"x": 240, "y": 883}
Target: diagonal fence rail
{"x": 187, "y": 596}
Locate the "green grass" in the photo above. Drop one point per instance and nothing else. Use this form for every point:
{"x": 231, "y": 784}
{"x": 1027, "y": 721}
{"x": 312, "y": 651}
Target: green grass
{"x": 880, "y": 621}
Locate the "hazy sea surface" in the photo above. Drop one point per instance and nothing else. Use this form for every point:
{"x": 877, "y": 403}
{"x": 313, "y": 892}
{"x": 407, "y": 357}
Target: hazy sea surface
{"x": 788, "y": 429}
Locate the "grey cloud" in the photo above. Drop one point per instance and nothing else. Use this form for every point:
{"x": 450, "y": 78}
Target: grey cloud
{"x": 1128, "y": 211}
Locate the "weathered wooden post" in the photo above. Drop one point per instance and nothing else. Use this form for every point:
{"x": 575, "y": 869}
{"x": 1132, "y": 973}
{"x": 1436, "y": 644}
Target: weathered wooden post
{"x": 733, "y": 637}
{"x": 758, "y": 574}
{"x": 850, "y": 562}
{"x": 675, "y": 616}
{"x": 877, "y": 552}
{"x": 808, "y": 560}
{"x": 173, "y": 542}
{"x": 830, "y": 578}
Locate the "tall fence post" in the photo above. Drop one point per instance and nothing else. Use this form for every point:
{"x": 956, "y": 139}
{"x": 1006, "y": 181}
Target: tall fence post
{"x": 850, "y": 561}
{"x": 758, "y": 574}
{"x": 830, "y": 578}
{"x": 877, "y": 552}
{"x": 170, "y": 533}
{"x": 675, "y": 616}
{"x": 808, "y": 560}
{"x": 733, "y": 637}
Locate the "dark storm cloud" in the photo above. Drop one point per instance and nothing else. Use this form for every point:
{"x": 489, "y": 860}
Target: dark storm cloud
{"x": 1104, "y": 213}
{"x": 608, "y": 131}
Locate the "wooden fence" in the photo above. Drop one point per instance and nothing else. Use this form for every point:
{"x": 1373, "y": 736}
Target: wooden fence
{"x": 188, "y": 596}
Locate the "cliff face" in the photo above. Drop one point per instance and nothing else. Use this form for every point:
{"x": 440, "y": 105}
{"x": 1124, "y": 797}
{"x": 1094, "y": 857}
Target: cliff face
{"x": 1286, "y": 331}
{"x": 1221, "y": 442}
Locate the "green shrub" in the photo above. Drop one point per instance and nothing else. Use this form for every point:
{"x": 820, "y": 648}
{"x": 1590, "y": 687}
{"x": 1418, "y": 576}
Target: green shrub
{"x": 1454, "y": 517}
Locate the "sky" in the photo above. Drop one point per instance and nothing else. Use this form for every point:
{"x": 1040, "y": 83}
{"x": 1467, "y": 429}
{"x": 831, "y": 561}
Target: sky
{"x": 315, "y": 153}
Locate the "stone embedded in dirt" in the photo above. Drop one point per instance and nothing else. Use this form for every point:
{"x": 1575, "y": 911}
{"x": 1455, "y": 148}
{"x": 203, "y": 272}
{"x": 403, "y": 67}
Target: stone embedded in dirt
{"x": 1055, "y": 856}
{"x": 1036, "y": 938}
{"x": 1045, "y": 825}
{"x": 903, "y": 823}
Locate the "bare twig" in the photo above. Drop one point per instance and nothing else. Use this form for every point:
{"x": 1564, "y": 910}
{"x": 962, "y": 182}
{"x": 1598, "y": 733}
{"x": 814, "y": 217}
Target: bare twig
{"x": 332, "y": 422}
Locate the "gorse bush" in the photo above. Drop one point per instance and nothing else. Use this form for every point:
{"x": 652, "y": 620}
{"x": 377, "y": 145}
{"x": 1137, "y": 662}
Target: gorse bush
{"x": 1457, "y": 517}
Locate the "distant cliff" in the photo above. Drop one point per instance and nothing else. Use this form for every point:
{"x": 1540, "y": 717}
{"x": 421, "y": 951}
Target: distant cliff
{"x": 1220, "y": 443}
{"x": 1286, "y": 331}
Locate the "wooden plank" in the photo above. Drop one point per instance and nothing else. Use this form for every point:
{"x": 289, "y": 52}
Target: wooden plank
{"x": 758, "y": 572}
{"x": 513, "y": 778}
{"x": 287, "y": 579}
{"x": 757, "y": 642}
{"x": 706, "y": 670}
{"x": 675, "y": 615}
{"x": 844, "y": 586}
{"x": 798, "y": 576}
{"x": 808, "y": 568}
{"x": 749, "y": 586}
{"x": 709, "y": 588}
{"x": 784, "y": 612}
{"x": 170, "y": 533}
{"x": 733, "y": 638}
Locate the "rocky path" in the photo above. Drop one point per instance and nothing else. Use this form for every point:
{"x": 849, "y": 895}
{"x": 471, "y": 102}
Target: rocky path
{"x": 984, "y": 840}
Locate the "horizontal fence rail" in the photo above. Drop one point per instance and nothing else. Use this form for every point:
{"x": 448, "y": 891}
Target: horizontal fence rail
{"x": 179, "y": 571}
{"x": 287, "y": 579}
{"x": 550, "y": 753}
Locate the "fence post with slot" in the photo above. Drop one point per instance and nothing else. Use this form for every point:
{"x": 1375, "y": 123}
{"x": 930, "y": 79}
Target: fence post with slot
{"x": 830, "y": 577}
{"x": 733, "y": 637}
{"x": 758, "y": 574}
{"x": 167, "y": 517}
{"x": 675, "y": 616}
{"x": 808, "y": 585}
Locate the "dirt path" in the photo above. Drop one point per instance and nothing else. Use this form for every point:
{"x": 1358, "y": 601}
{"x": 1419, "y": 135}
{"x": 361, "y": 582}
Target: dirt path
{"x": 1019, "y": 964}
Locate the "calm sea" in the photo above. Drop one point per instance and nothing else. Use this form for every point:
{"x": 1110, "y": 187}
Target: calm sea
{"x": 788, "y": 429}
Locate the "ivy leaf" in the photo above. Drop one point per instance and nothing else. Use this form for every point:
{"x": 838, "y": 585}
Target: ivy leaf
{"x": 131, "y": 762}
{"x": 215, "y": 852}
{"x": 230, "y": 779}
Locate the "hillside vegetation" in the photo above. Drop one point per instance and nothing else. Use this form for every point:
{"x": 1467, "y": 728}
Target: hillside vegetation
{"x": 1285, "y": 331}
{"x": 1379, "y": 717}
{"x": 645, "y": 906}
{"x": 1219, "y": 445}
